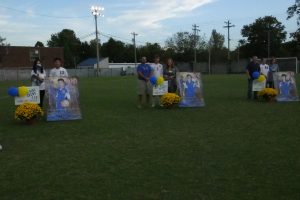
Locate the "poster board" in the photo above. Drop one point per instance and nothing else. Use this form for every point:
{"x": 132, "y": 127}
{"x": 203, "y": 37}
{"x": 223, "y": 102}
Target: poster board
{"x": 190, "y": 89}
{"x": 258, "y": 86}
{"x": 160, "y": 90}
{"x": 285, "y": 84}
{"x": 33, "y": 96}
{"x": 63, "y": 99}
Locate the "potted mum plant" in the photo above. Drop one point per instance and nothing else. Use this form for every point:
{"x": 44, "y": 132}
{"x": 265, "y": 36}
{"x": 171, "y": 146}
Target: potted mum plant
{"x": 267, "y": 94}
{"x": 28, "y": 112}
{"x": 169, "y": 100}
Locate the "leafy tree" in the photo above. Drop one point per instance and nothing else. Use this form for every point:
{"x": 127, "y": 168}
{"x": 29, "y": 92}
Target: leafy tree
{"x": 2, "y": 42}
{"x": 113, "y": 49}
{"x": 292, "y": 11}
{"x": 216, "y": 40}
{"x": 67, "y": 39}
{"x": 183, "y": 43}
{"x": 150, "y": 50}
{"x": 39, "y": 44}
{"x": 257, "y": 36}
{"x": 216, "y": 46}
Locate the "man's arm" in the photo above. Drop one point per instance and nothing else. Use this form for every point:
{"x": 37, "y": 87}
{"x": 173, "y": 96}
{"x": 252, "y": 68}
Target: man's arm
{"x": 142, "y": 75}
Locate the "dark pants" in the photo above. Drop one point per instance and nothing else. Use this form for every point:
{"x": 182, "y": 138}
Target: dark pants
{"x": 270, "y": 84}
{"x": 42, "y": 94}
{"x": 250, "y": 93}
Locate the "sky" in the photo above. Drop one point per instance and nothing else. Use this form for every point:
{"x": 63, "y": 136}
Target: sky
{"x": 24, "y": 22}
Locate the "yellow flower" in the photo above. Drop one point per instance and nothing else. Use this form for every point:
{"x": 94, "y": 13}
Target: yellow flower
{"x": 267, "y": 94}
{"x": 28, "y": 111}
{"x": 169, "y": 99}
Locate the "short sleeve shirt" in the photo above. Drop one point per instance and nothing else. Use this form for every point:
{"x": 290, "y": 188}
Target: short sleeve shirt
{"x": 157, "y": 69}
{"x": 60, "y": 72}
{"x": 145, "y": 69}
{"x": 252, "y": 67}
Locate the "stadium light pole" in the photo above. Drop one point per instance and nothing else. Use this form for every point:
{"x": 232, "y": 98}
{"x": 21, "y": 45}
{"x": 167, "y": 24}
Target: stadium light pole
{"x": 96, "y": 11}
{"x": 134, "y": 45}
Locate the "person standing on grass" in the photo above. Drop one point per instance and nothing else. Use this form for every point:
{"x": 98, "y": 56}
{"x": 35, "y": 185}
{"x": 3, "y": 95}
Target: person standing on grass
{"x": 170, "y": 75}
{"x": 264, "y": 68}
{"x": 252, "y": 67}
{"x": 38, "y": 75}
{"x": 144, "y": 72}
{"x": 157, "y": 69}
{"x": 273, "y": 68}
{"x": 58, "y": 70}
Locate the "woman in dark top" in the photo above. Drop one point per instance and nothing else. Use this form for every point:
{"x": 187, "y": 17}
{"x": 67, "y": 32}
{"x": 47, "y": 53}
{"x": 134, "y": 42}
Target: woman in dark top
{"x": 170, "y": 75}
{"x": 38, "y": 75}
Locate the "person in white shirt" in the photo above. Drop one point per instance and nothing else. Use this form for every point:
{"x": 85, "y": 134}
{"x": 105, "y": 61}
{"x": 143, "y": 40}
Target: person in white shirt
{"x": 157, "y": 69}
{"x": 264, "y": 68}
{"x": 38, "y": 75}
{"x": 58, "y": 70}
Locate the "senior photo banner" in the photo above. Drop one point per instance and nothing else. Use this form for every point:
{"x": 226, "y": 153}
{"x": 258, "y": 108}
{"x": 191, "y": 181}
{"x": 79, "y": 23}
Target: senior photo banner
{"x": 190, "y": 89}
{"x": 63, "y": 96}
{"x": 285, "y": 83}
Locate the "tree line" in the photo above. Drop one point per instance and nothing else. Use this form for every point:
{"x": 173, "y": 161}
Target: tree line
{"x": 266, "y": 36}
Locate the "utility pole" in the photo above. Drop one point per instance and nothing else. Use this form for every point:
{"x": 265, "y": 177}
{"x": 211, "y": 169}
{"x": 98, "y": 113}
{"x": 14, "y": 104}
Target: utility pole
{"x": 269, "y": 43}
{"x": 228, "y": 26}
{"x": 269, "y": 40}
{"x": 196, "y": 30}
{"x": 134, "y": 44}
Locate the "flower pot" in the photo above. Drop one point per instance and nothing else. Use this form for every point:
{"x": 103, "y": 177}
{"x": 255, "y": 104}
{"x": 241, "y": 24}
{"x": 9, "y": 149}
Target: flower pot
{"x": 30, "y": 121}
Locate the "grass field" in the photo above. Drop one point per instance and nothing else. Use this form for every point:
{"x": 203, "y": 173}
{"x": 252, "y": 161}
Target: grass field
{"x": 231, "y": 149}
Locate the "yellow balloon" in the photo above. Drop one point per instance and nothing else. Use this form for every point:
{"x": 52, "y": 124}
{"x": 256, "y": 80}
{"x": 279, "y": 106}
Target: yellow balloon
{"x": 22, "y": 91}
{"x": 160, "y": 80}
{"x": 261, "y": 78}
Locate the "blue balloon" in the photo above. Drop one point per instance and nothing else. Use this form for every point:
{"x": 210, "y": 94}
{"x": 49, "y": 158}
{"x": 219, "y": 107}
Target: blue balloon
{"x": 13, "y": 91}
{"x": 153, "y": 80}
{"x": 255, "y": 75}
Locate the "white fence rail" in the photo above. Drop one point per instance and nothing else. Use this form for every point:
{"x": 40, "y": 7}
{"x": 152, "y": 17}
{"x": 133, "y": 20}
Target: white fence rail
{"x": 15, "y": 74}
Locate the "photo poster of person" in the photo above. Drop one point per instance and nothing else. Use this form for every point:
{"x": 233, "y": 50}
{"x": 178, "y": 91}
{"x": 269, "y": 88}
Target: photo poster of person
{"x": 285, "y": 84}
{"x": 190, "y": 89}
{"x": 63, "y": 99}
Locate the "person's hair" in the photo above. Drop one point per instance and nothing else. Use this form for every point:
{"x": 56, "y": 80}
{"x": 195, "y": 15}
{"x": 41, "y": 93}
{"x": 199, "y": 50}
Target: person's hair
{"x": 189, "y": 75}
{"x": 34, "y": 67}
{"x": 283, "y": 75}
{"x": 156, "y": 57}
{"x": 61, "y": 79}
{"x": 57, "y": 58}
{"x": 168, "y": 64}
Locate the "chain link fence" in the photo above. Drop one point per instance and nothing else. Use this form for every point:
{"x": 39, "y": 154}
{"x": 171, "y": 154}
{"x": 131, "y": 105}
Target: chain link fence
{"x": 16, "y": 74}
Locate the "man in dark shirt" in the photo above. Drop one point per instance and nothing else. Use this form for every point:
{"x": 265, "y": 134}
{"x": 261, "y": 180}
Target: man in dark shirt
{"x": 144, "y": 72}
{"x": 252, "y": 67}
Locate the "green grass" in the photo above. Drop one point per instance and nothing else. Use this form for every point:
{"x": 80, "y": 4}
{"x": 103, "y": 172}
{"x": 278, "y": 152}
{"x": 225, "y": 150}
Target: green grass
{"x": 231, "y": 149}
